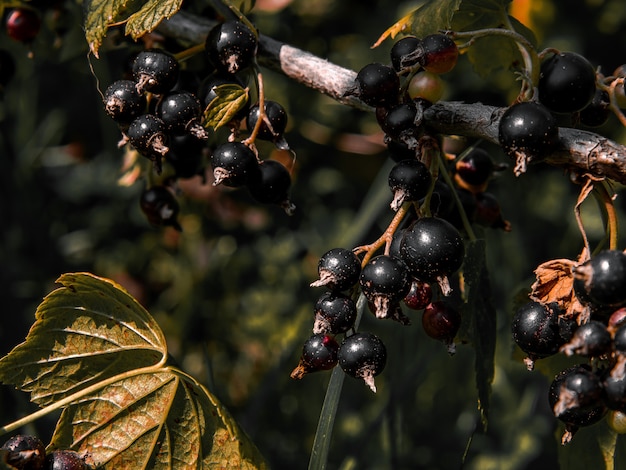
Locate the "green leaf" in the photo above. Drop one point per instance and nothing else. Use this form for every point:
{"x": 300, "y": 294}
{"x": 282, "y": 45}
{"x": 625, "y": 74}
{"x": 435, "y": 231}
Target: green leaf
{"x": 99, "y": 15}
{"x": 87, "y": 331}
{"x": 434, "y": 16}
{"x": 482, "y": 316}
{"x": 160, "y": 420}
{"x": 150, "y": 15}
{"x": 479, "y": 14}
{"x": 229, "y": 101}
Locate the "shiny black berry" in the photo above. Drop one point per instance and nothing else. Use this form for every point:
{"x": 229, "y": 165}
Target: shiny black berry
{"x": 597, "y": 112}
{"x": 186, "y": 155}
{"x": 234, "y": 164}
{"x": 64, "y": 460}
{"x": 23, "y": 24}
{"x": 440, "y": 53}
{"x": 385, "y": 281}
{"x": 160, "y": 207}
{"x": 441, "y": 321}
{"x": 474, "y": 170}
{"x": 401, "y": 122}
{"x": 403, "y": 53}
{"x": 602, "y": 279}
{"x": 334, "y": 313}
{"x": 155, "y": 70}
{"x": 419, "y": 296}
{"x": 409, "y": 180}
{"x": 319, "y": 352}
{"x": 270, "y": 185}
{"x": 527, "y": 131}
{"x": 231, "y": 46}
{"x": 123, "y": 103}
{"x": 619, "y": 339}
{"x": 25, "y": 452}
{"x": 378, "y": 85}
{"x": 432, "y": 248}
{"x": 273, "y": 127}
{"x": 535, "y": 329}
{"x": 363, "y": 355}
{"x": 181, "y": 112}
{"x": 591, "y": 339}
{"x": 148, "y": 135}
{"x": 339, "y": 269}
{"x": 567, "y": 82}
{"x": 614, "y": 385}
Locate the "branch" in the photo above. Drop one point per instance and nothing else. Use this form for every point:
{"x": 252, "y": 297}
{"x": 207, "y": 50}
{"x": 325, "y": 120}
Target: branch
{"x": 580, "y": 151}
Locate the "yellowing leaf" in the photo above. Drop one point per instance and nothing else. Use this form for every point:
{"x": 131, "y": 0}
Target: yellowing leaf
{"x": 154, "y": 420}
{"x": 229, "y": 101}
{"x": 150, "y": 15}
{"x": 404, "y": 24}
{"x": 99, "y": 15}
{"x": 87, "y": 331}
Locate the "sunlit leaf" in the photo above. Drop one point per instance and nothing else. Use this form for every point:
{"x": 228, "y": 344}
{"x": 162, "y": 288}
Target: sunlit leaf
{"x": 155, "y": 420}
{"x": 150, "y": 15}
{"x": 402, "y": 25}
{"x": 229, "y": 101}
{"x": 98, "y": 16}
{"x": 87, "y": 331}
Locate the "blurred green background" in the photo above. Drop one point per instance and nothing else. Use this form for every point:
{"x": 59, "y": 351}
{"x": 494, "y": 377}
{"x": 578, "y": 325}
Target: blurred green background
{"x": 232, "y": 290}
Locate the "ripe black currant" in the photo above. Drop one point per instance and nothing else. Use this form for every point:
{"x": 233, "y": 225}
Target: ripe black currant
{"x": 432, "y": 248}
{"x": 385, "y": 281}
{"x": 591, "y": 339}
{"x": 403, "y": 53}
{"x": 23, "y": 24}
{"x": 318, "y": 353}
{"x": 25, "y": 452}
{"x": 334, "y": 313}
{"x": 123, "y": 103}
{"x": 567, "y": 82}
{"x": 419, "y": 296}
{"x": 273, "y": 127}
{"x": 602, "y": 278}
{"x": 575, "y": 397}
{"x": 473, "y": 170}
{"x": 441, "y": 321}
{"x": 65, "y": 460}
{"x": 597, "y": 112}
{"x": 180, "y": 111}
{"x": 231, "y": 46}
{"x": 7, "y": 67}
{"x": 378, "y": 85}
{"x": 535, "y": 329}
{"x": 619, "y": 340}
{"x": 409, "y": 180}
{"x": 614, "y": 385}
{"x": 155, "y": 70}
{"x": 270, "y": 185}
{"x": 160, "y": 207}
{"x": 363, "y": 355}
{"x": 148, "y": 135}
{"x": 527, "y": 131}
{"x": 339, "y": 269}
{"x": 489, "y": 213}
{"x": 186, "y": 155}
{"x": 234, "y": 164}
{"x": 440, "y": 53}
{"x": 401, "y": 123}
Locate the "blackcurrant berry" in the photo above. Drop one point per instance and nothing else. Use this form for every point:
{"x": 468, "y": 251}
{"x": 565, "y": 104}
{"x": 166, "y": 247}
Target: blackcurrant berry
{"x": 440, "y": 53}
{"x": 148, "y": 135}
{"x": 597, "y": 112}
{"x": 535, "y": 329}
{"x": 273, "y": 127}
{"x": 231, "y": 46}
{"x": 180, "y": 111}
{"x": 378, "y": 85}
{"x": 363, "y": 355}
{"x": 318, "y": 353}
{"x": 614, "y": 385}
{"x": 567, "y": 82}
{"x": 160, "y": 207}
{"x": 334, "y": 313}
{"x": 155, "y": 70}
{"x": 433, "y": 249}
{"x": 591, "y": 339}
{"x": 65, "y": 460}
{"x": 339, "y": 269}
{"x": 603, "y": 278}
{"x": 427, "y": 86}
{"x": 474, "y": 169}
{"x": 401, "y": 123}
{"x": 575, "y": 397}
{"x": 489, "y": 213}
{"x": 234, "y": 164}
{"x": 271, "y": 184}
{"x": 385, "y": 281}
{"x": 419, "y": 296}
{"x": 25, "y": 452}
{"x": 403, "y": 53}
{"x": 619, "y": 340}
{"x": 441, "y": 321}
{"x": 123, "y": 103}
{"x": 7, "y": 67}
{"x": 23, "y": 24}
{"x": 186, "y": 155}
{"x": 409, "y": 180}
{"x": 527, "y": 131}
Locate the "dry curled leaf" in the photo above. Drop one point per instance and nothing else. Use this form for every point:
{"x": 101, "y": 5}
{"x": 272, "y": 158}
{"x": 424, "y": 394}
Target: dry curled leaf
{"x": 555, "y": 283}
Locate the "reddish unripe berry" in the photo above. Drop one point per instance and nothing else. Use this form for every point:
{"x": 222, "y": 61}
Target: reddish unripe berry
{"x": 23, "y": 24}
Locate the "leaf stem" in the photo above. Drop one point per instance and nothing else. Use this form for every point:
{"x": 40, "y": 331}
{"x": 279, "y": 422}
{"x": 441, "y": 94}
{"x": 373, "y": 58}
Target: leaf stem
{"x": 601, "y": 193}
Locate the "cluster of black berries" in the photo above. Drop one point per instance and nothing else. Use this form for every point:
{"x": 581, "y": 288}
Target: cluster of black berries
{"x": 162, "y": 120}
{"x": 25, "y": 452}
{"x": 582, "y": 395}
